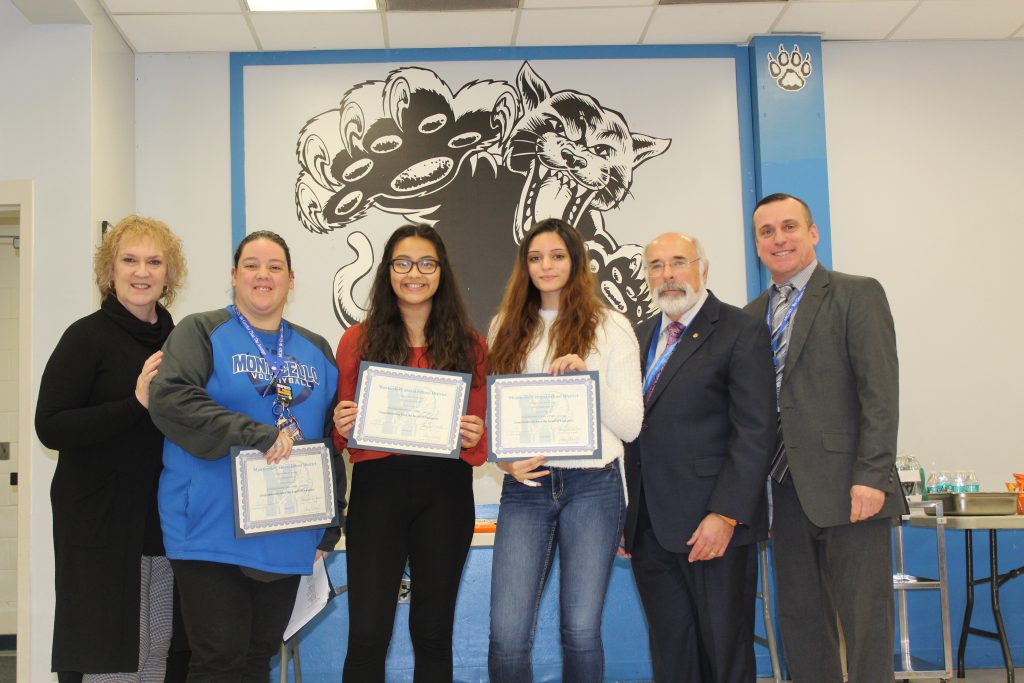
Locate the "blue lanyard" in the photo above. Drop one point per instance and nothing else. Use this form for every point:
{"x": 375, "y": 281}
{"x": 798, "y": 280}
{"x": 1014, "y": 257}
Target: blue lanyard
{"x": 654, "y": 366}
{"x": 276, "y": 364}
{"x": 777, "y": 337}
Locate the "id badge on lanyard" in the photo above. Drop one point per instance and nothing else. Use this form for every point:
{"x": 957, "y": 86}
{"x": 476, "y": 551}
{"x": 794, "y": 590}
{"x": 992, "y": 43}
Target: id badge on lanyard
{"x": 284, "y": 419}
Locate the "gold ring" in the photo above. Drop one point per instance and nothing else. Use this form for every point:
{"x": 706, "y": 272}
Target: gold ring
{"x": 713, "y": 554}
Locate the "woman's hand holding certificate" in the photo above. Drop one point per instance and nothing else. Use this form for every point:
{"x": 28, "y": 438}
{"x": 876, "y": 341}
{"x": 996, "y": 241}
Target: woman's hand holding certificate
{"x": 567, "y": 363}
{"x": 471, "y": 428}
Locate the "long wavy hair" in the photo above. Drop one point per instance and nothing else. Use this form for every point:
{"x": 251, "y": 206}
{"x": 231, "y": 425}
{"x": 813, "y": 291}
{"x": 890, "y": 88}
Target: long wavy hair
{"x": 580, "y": 307}
{"x": 451, "y": 343}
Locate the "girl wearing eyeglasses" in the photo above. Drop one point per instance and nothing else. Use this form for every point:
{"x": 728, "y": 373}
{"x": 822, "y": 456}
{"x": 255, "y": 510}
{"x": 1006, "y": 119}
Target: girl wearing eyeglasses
{"x": 409, "y": 507}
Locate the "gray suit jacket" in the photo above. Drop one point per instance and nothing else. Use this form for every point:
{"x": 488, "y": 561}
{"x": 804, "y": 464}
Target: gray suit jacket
{"x": 839, "y": 400}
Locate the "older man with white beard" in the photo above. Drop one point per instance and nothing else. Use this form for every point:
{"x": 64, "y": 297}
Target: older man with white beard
{"x": 696, "y": 473}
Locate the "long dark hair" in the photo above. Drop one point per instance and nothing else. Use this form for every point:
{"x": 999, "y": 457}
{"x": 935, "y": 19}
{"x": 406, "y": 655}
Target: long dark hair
{"x": 451, "y": 343}
{"x": 580, "y": 307}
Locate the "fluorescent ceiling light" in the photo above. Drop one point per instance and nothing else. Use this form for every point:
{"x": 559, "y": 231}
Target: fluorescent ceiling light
{"x": 311, "y": 5}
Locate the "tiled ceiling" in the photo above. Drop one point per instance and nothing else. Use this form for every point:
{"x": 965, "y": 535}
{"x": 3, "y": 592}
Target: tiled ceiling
{"x": 228, "y": 25}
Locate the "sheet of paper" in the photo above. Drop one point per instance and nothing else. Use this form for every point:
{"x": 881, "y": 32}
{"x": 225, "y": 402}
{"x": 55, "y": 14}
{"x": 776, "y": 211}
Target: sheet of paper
{"x": 312, "y": 596}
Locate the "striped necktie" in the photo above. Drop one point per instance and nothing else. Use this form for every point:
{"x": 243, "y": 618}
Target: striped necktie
{"x": 780, "y": 343}
{"x": 674, "y": 331}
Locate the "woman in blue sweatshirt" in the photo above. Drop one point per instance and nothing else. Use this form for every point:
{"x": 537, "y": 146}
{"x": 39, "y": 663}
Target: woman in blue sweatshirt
{"x": 217, "y": 388}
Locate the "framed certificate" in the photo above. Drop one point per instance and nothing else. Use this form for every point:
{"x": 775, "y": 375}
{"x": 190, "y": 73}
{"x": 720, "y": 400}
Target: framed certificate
{"x": 297, "y": 493}
{"x": 557, "y": 416}
{"x": 409, "y": 410}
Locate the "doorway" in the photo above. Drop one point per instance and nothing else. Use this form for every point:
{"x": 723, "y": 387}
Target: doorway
{"x": 16, "y": 221}
{"x": 10, "y": 223}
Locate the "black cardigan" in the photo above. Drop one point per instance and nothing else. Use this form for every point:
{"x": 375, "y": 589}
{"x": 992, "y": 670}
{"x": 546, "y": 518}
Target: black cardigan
{"x": 104, "y": 489}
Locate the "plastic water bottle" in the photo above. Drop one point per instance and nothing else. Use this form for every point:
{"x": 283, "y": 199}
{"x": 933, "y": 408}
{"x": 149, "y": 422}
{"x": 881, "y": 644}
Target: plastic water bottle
{"x": 958, "y": 481}
{"x": 971, "y": 484}
{"x": 933, "y": 483}
{"x": 909, "y": 470}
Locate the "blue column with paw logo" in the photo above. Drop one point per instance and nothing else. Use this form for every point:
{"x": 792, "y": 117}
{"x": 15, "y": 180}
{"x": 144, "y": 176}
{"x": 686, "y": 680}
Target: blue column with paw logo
{"x": 787, "y": 97}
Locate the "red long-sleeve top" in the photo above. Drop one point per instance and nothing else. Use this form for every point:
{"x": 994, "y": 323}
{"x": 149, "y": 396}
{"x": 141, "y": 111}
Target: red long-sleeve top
{"x": 348, "y": 359}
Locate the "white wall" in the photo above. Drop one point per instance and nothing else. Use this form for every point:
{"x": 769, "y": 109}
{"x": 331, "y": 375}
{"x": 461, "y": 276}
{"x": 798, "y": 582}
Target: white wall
{"x": 183, "y": 165}
{"x": 926, "y": 169}
{"x": 55, "y": 77}
{"x": 113, "y": 122}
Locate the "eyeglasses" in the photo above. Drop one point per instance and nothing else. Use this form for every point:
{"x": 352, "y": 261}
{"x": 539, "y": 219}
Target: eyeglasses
{"x": 678, "y": 265}
{"x": 426, "y": 266}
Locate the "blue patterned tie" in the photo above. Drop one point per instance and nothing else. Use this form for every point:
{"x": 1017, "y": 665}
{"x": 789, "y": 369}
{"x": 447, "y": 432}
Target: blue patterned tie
{"x": 780, "y": 463}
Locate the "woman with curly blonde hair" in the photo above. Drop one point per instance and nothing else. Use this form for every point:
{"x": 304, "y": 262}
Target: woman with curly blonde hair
{"x": 112, "y": 617}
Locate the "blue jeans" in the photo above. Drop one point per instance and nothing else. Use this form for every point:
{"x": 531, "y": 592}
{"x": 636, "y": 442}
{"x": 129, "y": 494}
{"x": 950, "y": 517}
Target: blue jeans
{"x": 579, "y": 512}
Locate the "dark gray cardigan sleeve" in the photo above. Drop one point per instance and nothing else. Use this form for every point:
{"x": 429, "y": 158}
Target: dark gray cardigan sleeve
{"x": 183, "y": 410}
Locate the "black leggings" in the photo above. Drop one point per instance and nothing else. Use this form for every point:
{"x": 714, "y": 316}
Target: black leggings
{"x": 415, "y": 508}
{"x": 234, "y": 623}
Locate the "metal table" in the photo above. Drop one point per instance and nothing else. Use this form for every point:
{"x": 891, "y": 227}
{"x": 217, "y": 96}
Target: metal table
{"x": 993, "y": 524}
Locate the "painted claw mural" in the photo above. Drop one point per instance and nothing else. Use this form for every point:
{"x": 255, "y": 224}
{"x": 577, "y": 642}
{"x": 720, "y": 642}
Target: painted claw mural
{"x": 481, "y": 165}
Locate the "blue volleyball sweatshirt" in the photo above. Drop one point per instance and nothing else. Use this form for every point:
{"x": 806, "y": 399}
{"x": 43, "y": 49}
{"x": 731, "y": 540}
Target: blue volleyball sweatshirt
{"x": 207, "y": 398}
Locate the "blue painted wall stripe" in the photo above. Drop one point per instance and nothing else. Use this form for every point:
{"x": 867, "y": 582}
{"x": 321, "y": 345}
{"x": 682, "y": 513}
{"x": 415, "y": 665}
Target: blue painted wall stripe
{"x": 748, "y": 168}
{"x": 789, "y": 132}
{"x": 237, "y": 114}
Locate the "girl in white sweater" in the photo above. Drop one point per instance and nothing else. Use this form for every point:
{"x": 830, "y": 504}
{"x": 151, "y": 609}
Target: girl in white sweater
{"x": 552, "y": 319}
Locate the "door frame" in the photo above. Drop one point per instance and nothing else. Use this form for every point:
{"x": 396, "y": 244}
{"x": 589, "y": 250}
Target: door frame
{"x": 20, "y": 193}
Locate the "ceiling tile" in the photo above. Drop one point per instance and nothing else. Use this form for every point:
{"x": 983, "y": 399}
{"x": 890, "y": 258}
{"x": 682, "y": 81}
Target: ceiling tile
{"x": 535, "y": 4}
{"x": 450, "y": 29}
{"x": 609, "y": 26}
{"x": 720, "y": 23}
{"x": 845, "y": 19}
{"x": 963, "y": 19}
{"x": 186, "y": 32}
{"x": 319, "y": 30}
{"x": 53, "y": 11}
{"x": 174, "y": 6}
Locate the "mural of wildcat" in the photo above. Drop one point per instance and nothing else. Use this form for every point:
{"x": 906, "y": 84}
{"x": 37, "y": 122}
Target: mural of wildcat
{"x": 482, "y": 165}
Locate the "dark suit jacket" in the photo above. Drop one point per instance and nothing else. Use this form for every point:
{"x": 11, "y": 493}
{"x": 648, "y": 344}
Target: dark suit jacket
{"x": 839, "y": 400}
{"x": 708, "y": 431}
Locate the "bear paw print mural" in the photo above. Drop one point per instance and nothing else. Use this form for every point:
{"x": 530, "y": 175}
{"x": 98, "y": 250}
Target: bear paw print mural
{"x": 790, "y": 69}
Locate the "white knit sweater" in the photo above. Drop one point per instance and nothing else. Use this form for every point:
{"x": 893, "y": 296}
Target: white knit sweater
{"x": 616, "y": 358}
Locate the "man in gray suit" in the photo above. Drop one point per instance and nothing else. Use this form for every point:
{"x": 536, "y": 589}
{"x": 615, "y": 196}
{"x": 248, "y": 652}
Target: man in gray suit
{"x": 833, "y": 481}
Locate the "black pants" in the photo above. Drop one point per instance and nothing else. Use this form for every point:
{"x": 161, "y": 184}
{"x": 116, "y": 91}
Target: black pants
{"x": 700, "y": 616}
{"x": 234, "y": 623}
{"x": 406, "y": 508}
